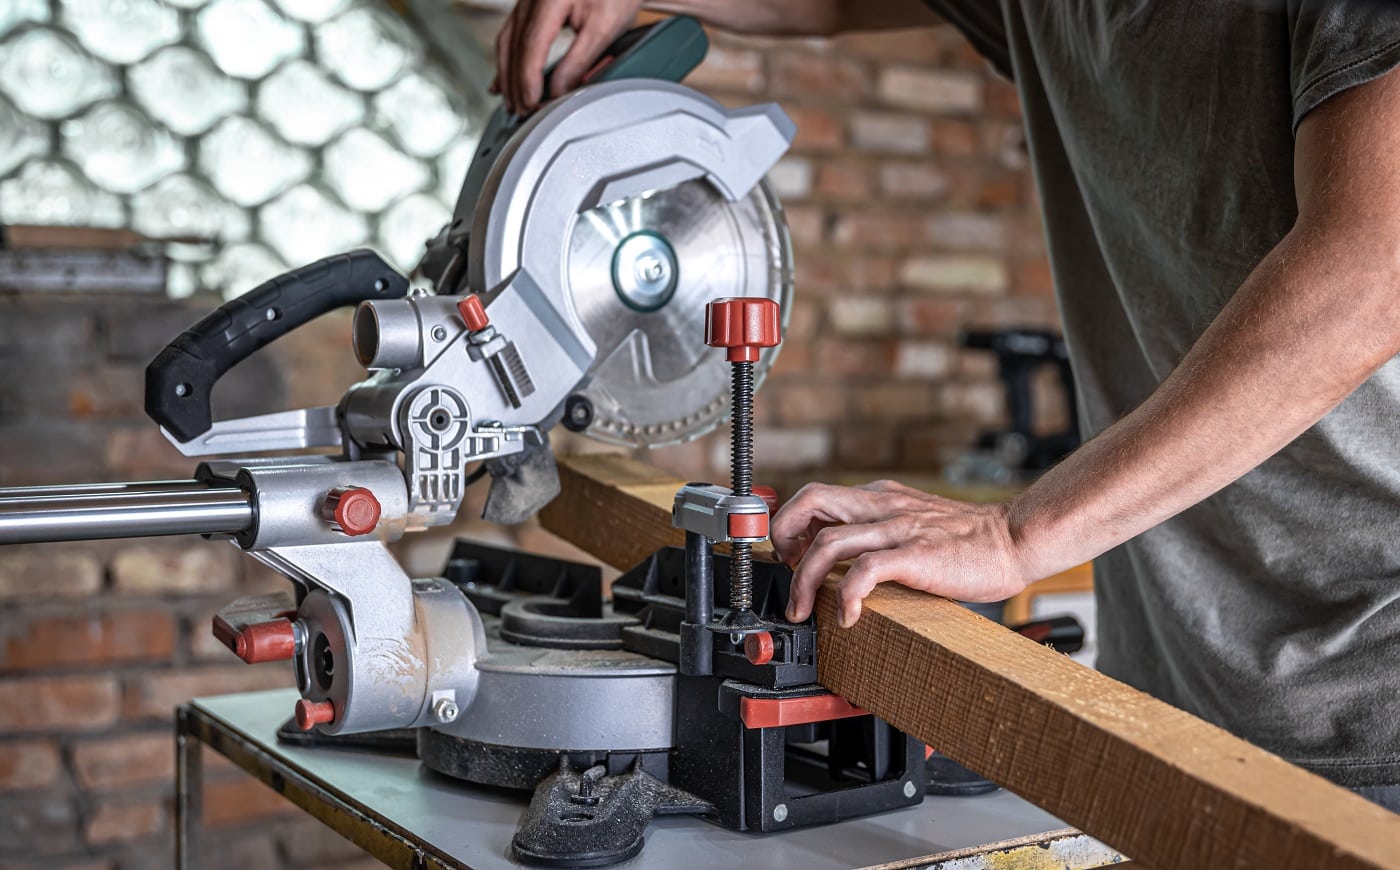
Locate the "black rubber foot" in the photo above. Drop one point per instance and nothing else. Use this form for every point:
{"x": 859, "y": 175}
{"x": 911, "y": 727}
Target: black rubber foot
{"x": 947, "y": 778}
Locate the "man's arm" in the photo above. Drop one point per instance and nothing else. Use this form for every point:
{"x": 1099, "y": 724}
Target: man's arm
{"x": 1319, "y": 315}
{"x": 524, "y": 40}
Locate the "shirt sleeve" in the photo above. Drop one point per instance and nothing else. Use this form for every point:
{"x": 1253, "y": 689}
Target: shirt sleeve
{"x": 1338, "y": 44}
{"x": 983, "y": 22}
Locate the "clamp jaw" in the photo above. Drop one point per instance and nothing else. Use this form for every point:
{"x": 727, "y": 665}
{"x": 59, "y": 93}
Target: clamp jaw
{"x": 711, "y": 514}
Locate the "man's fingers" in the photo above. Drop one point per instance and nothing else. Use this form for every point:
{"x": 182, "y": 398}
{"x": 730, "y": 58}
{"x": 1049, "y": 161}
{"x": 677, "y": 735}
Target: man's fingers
{"x": 817, "y": 505}
{"x": 587, "y": 47}
{"x": 867, "y": 572}
{"x": 837, "y": 544}
{"x": 532, "y": 50}
{"x": 504, "y": 39}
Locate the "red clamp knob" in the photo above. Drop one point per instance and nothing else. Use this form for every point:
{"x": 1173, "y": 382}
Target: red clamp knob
{"x": 769, "y": 496}
{"x": 473, "y": 313}
{"x": 351, "y": 509}
{"x": 743, "y": 325}
{"x": 309, "y": 714}
{"x": 758, "y": 647}
{"x": 272, "y": 641}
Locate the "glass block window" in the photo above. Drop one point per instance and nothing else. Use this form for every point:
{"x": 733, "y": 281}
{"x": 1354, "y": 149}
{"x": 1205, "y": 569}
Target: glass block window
{"x": 252, "y": 135}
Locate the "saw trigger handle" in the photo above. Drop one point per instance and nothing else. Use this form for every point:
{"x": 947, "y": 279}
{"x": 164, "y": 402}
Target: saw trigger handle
{"x": 667, "y": 49}
{"x": 182, "y": 376}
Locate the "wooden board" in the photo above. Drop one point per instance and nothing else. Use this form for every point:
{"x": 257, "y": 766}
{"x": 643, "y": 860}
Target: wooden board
{"x": 1166, "y": 788}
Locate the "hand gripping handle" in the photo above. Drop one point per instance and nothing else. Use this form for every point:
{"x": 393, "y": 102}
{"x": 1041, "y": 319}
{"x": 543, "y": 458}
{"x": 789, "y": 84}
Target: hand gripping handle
{"x": 181, "y": 377}
{"x": 667, "y": 49}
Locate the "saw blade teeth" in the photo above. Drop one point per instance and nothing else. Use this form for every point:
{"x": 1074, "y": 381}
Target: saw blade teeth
{"x": 662, "y": 385}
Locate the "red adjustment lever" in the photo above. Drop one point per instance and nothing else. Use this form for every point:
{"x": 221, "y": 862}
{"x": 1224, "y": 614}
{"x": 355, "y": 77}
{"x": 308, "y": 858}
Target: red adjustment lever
{"x": 351, "y": 509}
{"x": 473, "y": 313}
{"x": 269, "y": 619}
{"x": 743, "y": 324}
{"x": 272, "y": 641}
{"x": 309, "y": 714}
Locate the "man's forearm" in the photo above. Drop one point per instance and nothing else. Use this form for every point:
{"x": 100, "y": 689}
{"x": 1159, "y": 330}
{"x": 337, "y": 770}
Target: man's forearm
{"x": 1316, "y": 318}
{"x": 1311, "y": 323}
{"x": 801, "y": 17}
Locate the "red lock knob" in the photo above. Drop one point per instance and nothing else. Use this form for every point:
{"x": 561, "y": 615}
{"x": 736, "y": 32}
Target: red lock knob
{"x": 309, "y": 714}
{"x": 743, "y": 325}
{"x": 473, "y": 313}
{"x": 351, "y": 509}
{"x": 758, "y": 647}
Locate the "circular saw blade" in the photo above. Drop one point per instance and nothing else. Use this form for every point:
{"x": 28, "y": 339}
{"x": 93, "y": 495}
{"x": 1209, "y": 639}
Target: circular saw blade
{"x": 640, "y": 272}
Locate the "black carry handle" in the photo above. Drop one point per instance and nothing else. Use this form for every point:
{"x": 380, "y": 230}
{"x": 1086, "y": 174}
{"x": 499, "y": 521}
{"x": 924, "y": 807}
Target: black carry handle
{"x": 181, "y": 377}
{"x": 666, "y": 49}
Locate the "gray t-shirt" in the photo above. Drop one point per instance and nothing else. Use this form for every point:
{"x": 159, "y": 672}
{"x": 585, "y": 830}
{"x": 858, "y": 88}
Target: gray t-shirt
{"x": 1161, "y": 134}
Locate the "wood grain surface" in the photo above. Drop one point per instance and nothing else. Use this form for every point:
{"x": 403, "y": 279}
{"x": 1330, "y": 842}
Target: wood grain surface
{"x": 1166, "y": 788}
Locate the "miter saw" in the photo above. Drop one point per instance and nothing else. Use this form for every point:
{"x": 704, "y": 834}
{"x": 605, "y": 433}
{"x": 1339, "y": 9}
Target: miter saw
{"x": 599, "y": 253}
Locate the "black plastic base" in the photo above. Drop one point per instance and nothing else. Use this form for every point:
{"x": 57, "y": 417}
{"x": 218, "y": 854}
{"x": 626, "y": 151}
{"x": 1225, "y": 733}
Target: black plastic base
{"x": 399, "y": 741}
{"x": 947, "y": 778}
{"x": 590, "y": 819}
{"x": 514, "y": 767}
{"x": 592, "y": 808}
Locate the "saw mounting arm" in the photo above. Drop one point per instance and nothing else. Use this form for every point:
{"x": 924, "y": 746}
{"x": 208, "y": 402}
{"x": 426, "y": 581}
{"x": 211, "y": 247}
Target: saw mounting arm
{"x": 586, "y": 243}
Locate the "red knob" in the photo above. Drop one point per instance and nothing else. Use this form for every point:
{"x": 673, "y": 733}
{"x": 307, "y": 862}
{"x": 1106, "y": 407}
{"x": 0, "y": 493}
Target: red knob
{"x": 312, "y": 713}
{"x": 272, "y": 641}
{"x": 769, "y": 496}
{"x": 473, "y": 313}
{"x": 743, "y": 325}
{"x": 758, "y": 647}
{"x": 351, "y": 509}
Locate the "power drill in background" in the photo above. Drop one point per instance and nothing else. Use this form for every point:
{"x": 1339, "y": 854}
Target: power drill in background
{"x": 1017, "y": 453}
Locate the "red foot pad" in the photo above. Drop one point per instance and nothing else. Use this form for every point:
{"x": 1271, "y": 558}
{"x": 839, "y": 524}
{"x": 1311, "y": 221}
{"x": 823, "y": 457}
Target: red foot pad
{"x": 312, "y": 713}
{"x": 743, "y": 325}
{"x": 773, "y": 712}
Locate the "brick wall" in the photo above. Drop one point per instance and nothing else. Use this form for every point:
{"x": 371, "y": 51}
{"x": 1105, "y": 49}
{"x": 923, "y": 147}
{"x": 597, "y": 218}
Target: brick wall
{"x": 912, "y": 216}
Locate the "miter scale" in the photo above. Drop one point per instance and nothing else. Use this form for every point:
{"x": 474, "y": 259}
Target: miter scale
{"x": 575, "y": 284}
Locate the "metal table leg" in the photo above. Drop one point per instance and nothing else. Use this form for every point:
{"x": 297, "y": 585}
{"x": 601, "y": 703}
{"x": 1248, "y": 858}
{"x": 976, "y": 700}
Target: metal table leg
{"x": 189, "y": 791}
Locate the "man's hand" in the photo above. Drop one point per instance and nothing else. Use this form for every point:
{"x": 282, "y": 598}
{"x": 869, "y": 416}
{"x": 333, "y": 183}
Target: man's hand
{"x": 523, "y": 45}
{"x": 963, "y": 551}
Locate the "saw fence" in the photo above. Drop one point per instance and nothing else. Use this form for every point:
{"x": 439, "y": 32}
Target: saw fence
{"x": 1162, "y": 786}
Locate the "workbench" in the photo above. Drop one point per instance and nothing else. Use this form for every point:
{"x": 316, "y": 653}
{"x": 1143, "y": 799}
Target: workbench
{"x": 407, "y": 816}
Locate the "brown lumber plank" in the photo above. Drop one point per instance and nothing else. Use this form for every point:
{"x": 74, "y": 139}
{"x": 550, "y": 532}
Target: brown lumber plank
{"x": 1164, "y": 787}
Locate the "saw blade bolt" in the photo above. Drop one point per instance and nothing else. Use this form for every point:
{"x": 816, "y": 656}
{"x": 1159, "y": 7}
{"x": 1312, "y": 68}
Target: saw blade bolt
{"x": 743, "y": 326}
